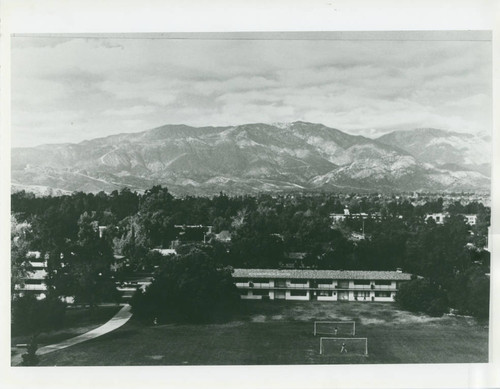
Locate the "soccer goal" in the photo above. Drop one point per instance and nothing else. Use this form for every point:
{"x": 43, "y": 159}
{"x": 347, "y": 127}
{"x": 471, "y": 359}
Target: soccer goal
{"x": 343, "y": 346}
{"x": 335, "y": 328}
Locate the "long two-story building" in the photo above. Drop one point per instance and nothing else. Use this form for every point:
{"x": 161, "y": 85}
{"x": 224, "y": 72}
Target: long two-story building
{"x": 321, "y": 285}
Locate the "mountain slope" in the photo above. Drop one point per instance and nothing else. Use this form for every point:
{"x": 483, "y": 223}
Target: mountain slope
{"x": 448, "y": 150}
{"x": 239, "y": 159}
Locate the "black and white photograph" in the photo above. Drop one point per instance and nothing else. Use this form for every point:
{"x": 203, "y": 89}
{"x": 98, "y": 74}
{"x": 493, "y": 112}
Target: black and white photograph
{"x": 187, "y": 199}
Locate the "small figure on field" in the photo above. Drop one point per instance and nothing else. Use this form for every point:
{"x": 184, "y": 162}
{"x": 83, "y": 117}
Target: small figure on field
{"x": 335, "y": 330}
{"x": 155, "y": 321}
{"x": 343, "y": 349}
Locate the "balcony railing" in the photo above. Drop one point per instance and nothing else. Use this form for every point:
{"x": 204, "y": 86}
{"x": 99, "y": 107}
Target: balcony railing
{"x": 31, "y": 287}
{"x": 246, "y": 285}
{"x": 373, "y": 287}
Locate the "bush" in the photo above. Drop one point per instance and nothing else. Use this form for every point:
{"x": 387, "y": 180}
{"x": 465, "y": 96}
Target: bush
{"x": 32, "y": 316}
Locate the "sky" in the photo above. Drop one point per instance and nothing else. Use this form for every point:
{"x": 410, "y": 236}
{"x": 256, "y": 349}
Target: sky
{"x": 68, "y": 89}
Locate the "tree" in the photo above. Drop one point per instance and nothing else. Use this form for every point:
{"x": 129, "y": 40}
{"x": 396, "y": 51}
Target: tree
{"x": 19, "y": 244}
{"x": 188, "y": 288}
{"x": 419, "y": 295}
{"x": 85, "y": 272}
{"x": 478, "y": 299}
{"x": 470, "y": 293}
{"x": 155, "y": 216}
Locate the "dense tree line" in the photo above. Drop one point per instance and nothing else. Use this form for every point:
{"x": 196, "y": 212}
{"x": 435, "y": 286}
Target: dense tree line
{"x": 265, "y": 231}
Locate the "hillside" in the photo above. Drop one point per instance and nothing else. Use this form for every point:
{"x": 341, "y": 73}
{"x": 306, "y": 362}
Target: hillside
{"x": 247, "y": 159}
{"x": 449, "y": 150}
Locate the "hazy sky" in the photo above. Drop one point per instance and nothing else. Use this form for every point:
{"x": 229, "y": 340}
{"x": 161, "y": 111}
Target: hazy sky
{"x": 71, "y": 89}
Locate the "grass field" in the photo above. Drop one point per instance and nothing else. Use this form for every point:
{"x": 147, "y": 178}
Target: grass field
{"x": 281, "y": 332}
{"x": 76, "y": 322}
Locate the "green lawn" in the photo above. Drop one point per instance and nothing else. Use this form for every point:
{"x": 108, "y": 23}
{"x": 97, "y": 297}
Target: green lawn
{"x": 76, "y": 321}
{"x": 275, "y": 332}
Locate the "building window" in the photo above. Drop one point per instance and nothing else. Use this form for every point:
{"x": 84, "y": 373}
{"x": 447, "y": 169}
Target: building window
{"x": 361, "y": 282}
{"x": 325, "y": 293}
{"x": 361, "y": 295}
{"x": 260, "y": 280}
{"x": 299, "y": 282}
{"x": 261, "y": 292}
{"x": 382, "y": 294}
{"x": 343, "y": 284}
{"x": 325, "y": 282}
{"x": 298, "y": 293}
{"x": 383, "y": 282}
{"x": 243, "y": 293}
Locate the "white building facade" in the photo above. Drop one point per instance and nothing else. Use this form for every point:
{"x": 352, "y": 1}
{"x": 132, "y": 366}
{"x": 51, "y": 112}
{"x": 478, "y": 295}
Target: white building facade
{"x": 318, "y": 285}
{"x": 34, "y": 282}
{"x": 439, "y": 218}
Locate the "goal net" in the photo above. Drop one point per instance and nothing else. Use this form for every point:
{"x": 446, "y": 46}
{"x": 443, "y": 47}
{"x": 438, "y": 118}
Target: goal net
{"x": 335, "y": 328}
{"x": 343, "y": 346}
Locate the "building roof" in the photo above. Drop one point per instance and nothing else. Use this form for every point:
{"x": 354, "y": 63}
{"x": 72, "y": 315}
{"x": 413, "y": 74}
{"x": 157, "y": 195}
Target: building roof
{"x": 166, "y": 251}
{"x": 322, "y": 274}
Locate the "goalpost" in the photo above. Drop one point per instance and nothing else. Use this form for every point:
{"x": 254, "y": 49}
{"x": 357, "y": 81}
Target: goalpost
{"x": 343, "y": 346}
{"x": 341, "y": 328}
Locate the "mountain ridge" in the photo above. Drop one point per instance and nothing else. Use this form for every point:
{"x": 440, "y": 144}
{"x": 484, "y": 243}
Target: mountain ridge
{"x": 248, "y": 158}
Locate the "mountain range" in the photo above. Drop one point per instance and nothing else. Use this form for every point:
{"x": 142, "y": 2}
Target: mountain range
{"x": 255, "y": 158}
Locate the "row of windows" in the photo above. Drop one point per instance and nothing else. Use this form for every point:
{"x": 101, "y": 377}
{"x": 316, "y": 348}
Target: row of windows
{"x": 264, "y": 292}
{"x": 361, "y": 294}
{"x": 324, "y": 293}
{"x": 365, "y": 282}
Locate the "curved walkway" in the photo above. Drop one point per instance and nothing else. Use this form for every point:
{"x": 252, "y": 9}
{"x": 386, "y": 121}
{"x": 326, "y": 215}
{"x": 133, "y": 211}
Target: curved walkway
{"x": 121, "y": 317}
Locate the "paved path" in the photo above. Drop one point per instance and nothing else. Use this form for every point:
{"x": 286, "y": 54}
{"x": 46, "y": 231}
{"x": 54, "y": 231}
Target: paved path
{"x": 115, "y": 322}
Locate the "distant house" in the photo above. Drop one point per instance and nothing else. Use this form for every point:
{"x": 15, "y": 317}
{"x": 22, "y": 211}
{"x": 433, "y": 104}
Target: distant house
{"x": 320, "y": 285}
{"x": 437, "y": 217}
{"x": 440, "y": 217}
{"x": 340, "y": 217}
{"x": 471, "y": 219}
